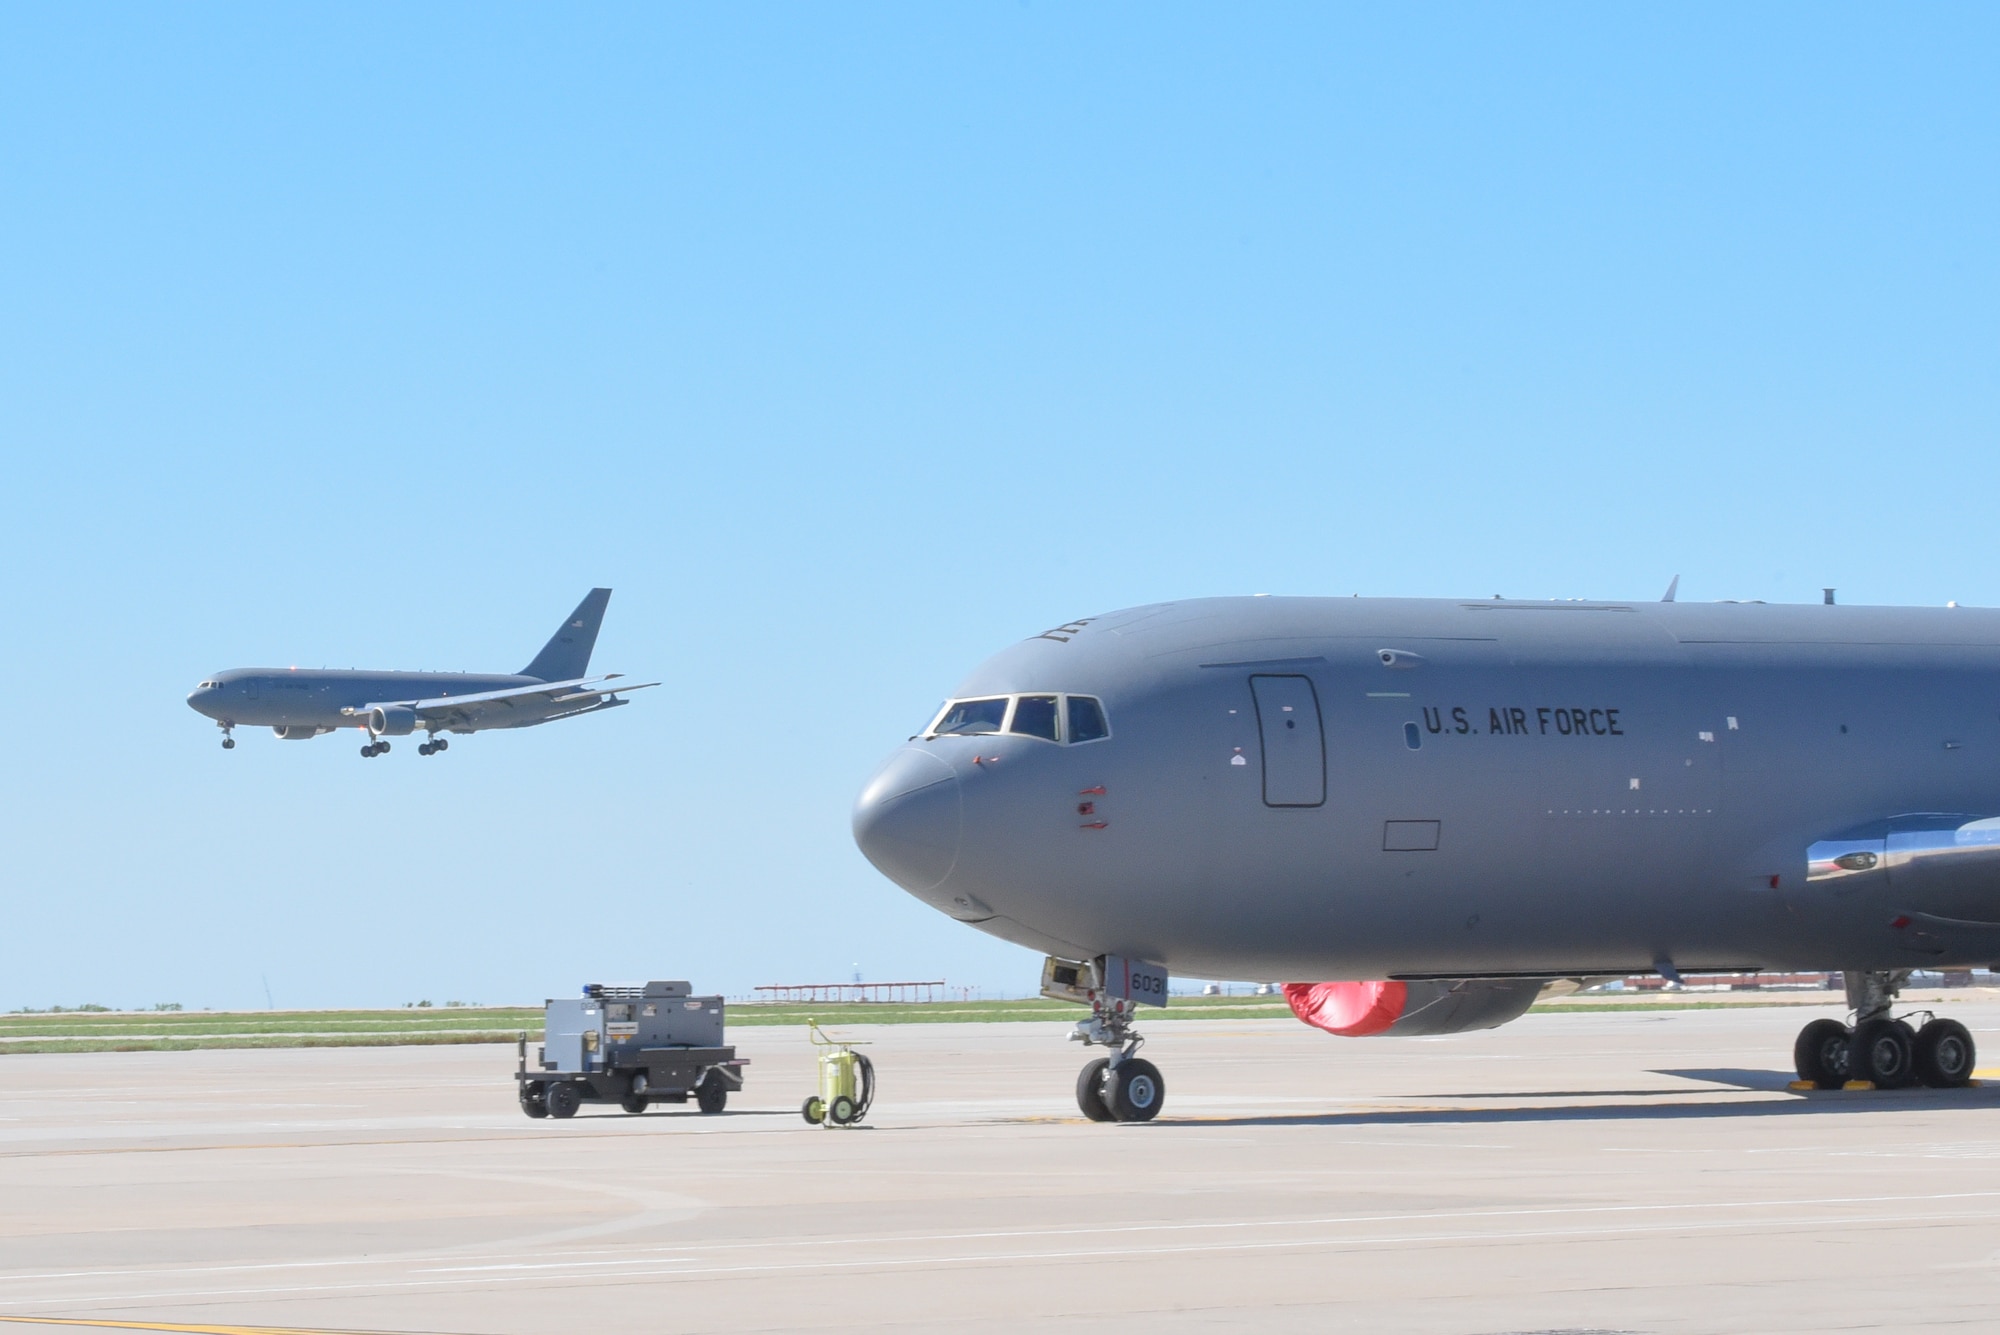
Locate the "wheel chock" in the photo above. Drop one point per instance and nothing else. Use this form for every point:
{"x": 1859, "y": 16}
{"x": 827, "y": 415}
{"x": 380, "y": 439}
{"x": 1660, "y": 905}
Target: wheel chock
{"x": 1802, "y": 1085}
{"x": 1859, "y": 1084}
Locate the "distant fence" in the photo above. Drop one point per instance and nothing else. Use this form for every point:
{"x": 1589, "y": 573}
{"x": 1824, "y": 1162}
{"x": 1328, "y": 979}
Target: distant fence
{"x": 1733, "y": 982}
{"x": 930, "y": 991}
{"x": 1753, "y": 982}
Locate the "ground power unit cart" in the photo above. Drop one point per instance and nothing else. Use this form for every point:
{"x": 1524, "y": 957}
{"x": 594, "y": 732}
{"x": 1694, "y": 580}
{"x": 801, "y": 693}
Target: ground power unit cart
{"x": 629, "y": 1045}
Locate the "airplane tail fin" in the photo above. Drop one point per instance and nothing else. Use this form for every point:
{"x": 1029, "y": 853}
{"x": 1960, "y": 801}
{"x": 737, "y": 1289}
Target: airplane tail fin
{"x": 567, "y": 654}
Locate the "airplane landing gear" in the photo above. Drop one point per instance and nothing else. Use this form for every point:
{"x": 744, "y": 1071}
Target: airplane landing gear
{"x": 433, "y": 746}
{"x": 1123, "y": 1087}
{"x": 228, "y": 742}
{"x": 1884, "y": 1053}
{"x": 1820, "y": 1054}
{"x": 374, "y": 749}
{"x": 1945, "y": 1054}
{"x": 1879, "y": 1049}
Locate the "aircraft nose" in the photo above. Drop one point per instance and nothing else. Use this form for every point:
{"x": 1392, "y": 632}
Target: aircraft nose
{"x": 907, "y": 820}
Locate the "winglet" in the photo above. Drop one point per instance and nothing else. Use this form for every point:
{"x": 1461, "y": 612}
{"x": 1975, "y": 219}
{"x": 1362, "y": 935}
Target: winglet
{"x": 567, "y": 654}
{"x": 1672, "y": 589}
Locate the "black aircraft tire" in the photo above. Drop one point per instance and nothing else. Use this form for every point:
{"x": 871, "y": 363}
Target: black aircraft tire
{"x": 1820, "y": 1054}
{"x": 1945, "y": 1055}
{"x": 1884, "y": 1053}
{"x": 1090, "y": 1090}
{"x": 1137, "y": 1090}
{"x": 711, "y": 1095}
{"x": 563, "y": 1100}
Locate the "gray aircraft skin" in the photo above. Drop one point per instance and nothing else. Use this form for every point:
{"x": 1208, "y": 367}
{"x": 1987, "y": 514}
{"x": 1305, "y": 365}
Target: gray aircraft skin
{"x": 297, "y": 705}
{"x": 1419, "y": 790}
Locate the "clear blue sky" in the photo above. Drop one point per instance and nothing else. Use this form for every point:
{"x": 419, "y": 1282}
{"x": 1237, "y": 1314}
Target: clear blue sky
{"x": 851, "y": 344}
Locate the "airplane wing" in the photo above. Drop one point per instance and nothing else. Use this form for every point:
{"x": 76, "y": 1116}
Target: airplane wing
{"x": 549, "y": 699}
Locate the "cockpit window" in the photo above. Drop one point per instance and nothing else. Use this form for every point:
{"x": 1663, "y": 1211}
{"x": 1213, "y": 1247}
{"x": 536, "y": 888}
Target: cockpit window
{"x": 969, "y": 718}
{"x": 1053, "y": 718}
{"x": 1086, "y": 720}
{"x": 1035, "y": 716}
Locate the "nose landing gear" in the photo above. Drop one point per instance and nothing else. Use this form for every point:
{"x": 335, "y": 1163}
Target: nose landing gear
{"x": 1123, "y": 1087}
{"x": 228, "y": 742}
{"x": 1880, "y": 1050}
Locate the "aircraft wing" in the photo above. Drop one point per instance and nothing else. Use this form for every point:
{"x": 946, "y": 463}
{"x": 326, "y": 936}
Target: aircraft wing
{"x": 553, "y": 692}
{"x": 556, "y": 697}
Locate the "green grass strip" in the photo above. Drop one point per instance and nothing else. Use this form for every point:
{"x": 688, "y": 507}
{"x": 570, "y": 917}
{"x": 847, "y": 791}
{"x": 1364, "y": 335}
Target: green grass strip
{"x": 185, "y": 1031}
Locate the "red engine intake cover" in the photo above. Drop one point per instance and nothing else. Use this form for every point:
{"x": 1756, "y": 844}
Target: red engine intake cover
{"x": 1352, "y": 1010}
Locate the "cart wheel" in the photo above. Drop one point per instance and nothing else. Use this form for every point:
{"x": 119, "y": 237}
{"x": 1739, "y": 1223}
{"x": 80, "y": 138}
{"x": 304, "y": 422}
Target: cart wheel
{"x": 813, "y": 1110}
{"x": 563, "y": 1100}
{"x": 532, "y": 1104}
{"x": 842, "y": 1111}
{"x": 711, "y": 1094}
{"x": 633, "y": 1104}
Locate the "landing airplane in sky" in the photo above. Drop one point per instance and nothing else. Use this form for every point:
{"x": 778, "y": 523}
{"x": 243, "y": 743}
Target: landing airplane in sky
{"x": 1461, "y": 802}
{"x": 297, "y": 705}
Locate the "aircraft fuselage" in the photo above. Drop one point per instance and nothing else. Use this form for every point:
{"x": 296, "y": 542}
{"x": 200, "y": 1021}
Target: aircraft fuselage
{"x": 292, "y": 698}
{"x": 1305, "y": 788}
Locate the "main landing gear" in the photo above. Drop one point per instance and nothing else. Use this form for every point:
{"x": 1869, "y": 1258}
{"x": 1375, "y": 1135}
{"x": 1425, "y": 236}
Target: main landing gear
{"x": 433, "y": 746}
{"x": 1123, "y": 1087}
{"x": 1880, "y": 1050}
{"x": 375, "y": 748}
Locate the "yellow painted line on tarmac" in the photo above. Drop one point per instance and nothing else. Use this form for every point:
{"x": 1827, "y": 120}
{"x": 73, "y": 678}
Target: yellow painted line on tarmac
{"x": 90, "y": 1324}
{"x": 1989, "y": 1073}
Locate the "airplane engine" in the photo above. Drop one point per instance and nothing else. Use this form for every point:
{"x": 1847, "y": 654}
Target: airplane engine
{"x": 392, "y": 721}
{"x": 298, "y": 732}
{"x": 1412, "y": 1010}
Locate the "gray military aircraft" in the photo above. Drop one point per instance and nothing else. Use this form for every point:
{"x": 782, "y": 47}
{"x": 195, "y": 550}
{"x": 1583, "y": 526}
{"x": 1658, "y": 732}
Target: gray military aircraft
{"x": 1461, "y": 802}
{"x": 298, "y": 705}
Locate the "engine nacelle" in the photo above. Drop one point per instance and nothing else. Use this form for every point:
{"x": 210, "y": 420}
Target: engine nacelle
{"x": 392, "y": 721}
{"x": 1411, "y": 1010}
{"x": 297, "y": 732}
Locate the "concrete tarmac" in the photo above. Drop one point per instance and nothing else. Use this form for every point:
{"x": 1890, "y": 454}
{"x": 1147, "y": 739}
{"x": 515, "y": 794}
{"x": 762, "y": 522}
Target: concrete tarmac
{"x": 1642, "y": 1172}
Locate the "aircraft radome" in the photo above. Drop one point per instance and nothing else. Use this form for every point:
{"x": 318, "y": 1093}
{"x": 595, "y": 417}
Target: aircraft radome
{"x": 1459, "y": 802}
{"x": 299, "y": 705}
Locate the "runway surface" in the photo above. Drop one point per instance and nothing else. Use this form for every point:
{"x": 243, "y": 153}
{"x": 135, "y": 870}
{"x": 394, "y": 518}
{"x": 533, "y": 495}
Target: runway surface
{"x": 1643, "y": 1172}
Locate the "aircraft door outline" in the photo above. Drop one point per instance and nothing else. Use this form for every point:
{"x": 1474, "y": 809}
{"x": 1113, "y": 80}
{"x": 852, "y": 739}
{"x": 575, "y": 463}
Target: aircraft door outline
{"x": 1291, "y": 738}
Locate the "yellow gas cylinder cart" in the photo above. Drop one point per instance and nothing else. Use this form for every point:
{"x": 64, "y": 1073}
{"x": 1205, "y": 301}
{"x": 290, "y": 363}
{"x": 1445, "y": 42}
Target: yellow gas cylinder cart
{"x": 846, "y": 1081}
